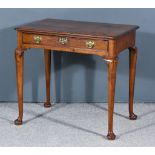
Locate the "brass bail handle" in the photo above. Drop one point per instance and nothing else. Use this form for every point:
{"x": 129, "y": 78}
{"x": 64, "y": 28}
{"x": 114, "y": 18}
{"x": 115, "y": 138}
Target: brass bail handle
{"x": 63, "y": 40}
{"x": 90, "y": 44}
{"x": 37, "y": 39}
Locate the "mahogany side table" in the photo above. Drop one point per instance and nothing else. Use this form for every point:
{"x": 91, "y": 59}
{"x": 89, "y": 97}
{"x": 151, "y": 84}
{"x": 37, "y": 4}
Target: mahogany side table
{"x": 101, "y": 39}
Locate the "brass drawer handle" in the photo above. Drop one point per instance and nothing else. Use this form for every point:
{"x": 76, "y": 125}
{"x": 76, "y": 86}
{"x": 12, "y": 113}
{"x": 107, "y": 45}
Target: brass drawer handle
{"x": 90, "y": 44}
{"x": 37, "y": 39}
{"x": 63, "y": 40}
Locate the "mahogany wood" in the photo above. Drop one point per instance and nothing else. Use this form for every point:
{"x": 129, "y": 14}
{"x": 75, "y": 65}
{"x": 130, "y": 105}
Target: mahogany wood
{"x": 105, "y": 40}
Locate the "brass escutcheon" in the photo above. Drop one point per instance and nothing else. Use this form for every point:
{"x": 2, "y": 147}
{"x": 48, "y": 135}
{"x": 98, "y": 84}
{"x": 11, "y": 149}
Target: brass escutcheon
{"x": 63, "y": 40}
{"x": 90, "y": 44}
{"x": 37, "y": 39}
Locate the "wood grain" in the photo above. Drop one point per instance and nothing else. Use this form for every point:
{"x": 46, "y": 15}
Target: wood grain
{"x": 77, "y": 28}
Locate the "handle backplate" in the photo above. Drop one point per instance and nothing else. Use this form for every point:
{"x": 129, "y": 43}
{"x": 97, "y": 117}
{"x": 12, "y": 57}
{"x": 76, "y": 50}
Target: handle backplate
{"x": 90, "y": 44}
{"x": 63, "y": 40}
{"x": 37, "y": 39}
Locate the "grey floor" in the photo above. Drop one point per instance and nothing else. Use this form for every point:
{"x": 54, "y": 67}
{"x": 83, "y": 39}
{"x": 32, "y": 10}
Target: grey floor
{"x": 77, "y": 124}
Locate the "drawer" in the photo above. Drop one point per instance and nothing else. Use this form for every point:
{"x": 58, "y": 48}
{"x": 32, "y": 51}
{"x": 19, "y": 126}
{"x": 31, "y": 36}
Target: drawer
{"x": 64, "y": 41}
{"x": 95, "y": 44}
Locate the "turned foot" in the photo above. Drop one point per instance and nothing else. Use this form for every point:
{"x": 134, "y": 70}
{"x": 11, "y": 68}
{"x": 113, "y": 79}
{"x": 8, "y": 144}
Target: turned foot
{"x": 18, "y": 122}
{"x": 111, "y": 136}
{"x": 47, "y": 104}
{"x": 132, "y": 116}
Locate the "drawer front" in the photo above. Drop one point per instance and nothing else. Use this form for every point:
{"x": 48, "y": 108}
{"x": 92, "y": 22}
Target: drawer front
{"x": 40, "y": 39}
{"x": 63, "y": 41}
{"x": 89, "y": 44}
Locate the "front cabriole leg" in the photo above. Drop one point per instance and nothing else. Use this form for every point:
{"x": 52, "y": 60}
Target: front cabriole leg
{"x": 112, "y": 67}
{"x": 19, "y": 58}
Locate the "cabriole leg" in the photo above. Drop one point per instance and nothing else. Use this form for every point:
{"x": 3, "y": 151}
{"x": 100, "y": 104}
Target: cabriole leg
{"x": 19, "y": 57}
{"x": 112, "y": 66}
{"x": 132, "y": 73}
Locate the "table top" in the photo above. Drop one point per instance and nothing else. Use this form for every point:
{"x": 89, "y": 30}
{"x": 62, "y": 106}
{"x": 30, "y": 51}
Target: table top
{"x": 77, "y": 28}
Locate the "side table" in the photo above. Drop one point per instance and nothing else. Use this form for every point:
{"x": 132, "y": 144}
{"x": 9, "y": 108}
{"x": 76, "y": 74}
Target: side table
{"x": 101, "y": 39}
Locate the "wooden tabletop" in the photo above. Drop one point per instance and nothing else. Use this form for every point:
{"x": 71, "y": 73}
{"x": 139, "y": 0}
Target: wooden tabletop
{"x": 76, "y": 28}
